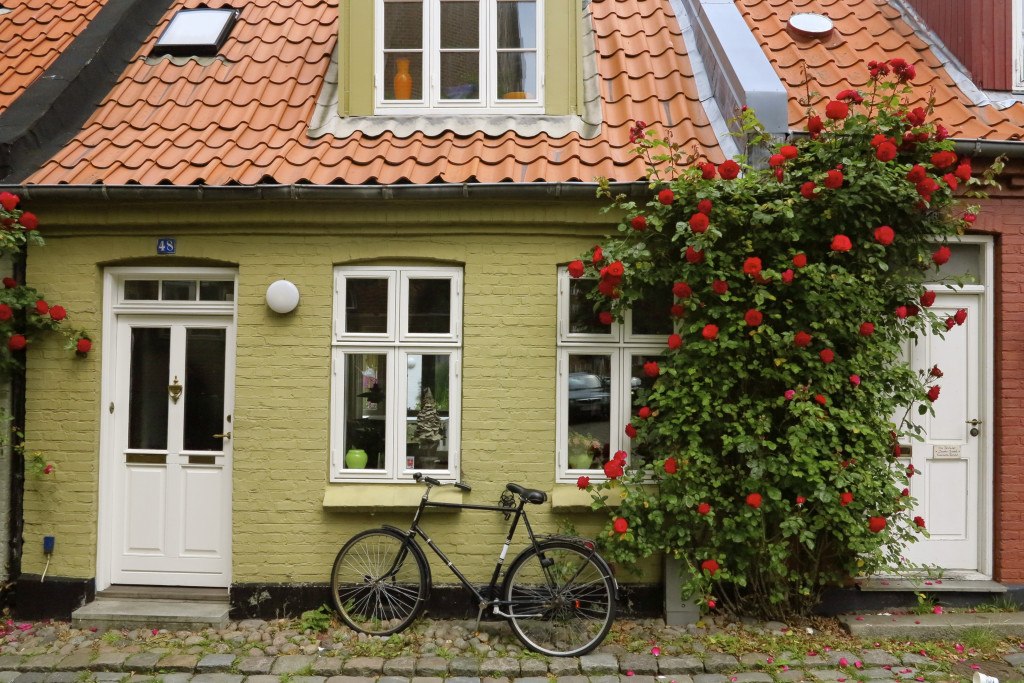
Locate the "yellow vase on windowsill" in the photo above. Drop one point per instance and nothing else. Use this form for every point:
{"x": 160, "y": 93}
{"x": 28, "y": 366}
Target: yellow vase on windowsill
{"x": 403, "y": 80}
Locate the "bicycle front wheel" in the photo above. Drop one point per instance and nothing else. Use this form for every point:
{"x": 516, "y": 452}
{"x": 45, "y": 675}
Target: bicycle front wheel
{"x": 561, "y": 599}
{"x": 379, "y": 582}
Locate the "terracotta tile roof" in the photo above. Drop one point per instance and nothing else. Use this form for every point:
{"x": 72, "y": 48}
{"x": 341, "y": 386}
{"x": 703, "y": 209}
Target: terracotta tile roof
{"x": 242, "y": 118}
{"x": 866, "y": 30}
{"x": 33, "y": 34}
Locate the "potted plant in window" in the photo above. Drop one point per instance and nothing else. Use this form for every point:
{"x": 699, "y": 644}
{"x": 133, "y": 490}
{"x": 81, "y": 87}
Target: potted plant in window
{"x": 583, "y": 448}
{"x": 429, "y": 431}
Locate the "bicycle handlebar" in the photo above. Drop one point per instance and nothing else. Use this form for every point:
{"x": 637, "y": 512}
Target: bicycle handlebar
{"x": 420, "y": 477}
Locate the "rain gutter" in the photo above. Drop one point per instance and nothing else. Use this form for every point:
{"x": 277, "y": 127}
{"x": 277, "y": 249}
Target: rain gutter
{"x": 972, "y": 147}
{"x": 472, "y": 191}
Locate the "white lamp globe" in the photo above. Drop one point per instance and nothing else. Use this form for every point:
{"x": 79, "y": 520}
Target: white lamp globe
{"x": 282, "y": 296}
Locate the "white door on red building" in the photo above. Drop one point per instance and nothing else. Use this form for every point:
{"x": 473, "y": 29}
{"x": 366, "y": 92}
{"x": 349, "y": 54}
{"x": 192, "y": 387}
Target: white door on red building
{"x": 950, "y": 464}
{"x": 167, "y": 464}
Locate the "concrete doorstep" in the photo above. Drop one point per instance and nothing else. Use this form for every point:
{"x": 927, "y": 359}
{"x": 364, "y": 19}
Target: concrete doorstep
{"x": 116, "y": 613}
{"x": 932, "y": 626}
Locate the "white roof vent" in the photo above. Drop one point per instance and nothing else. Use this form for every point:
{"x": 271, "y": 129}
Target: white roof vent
{"x": 810, "y": 25}
{"x": 196, "y": 32}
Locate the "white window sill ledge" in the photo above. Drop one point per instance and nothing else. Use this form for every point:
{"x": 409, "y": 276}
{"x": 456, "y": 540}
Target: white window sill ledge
{"x": 572, "y": 497}
{"x": 370, "y": 496}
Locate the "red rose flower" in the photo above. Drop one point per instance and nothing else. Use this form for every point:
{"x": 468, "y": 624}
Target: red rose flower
{"x": 789, "y": 151}
{"x": 616, "y": 270}
{"x": 674, "y": 341}
{"x": 807, "y": 190}
{"x": 620, "y": 525}
{"x": 583, "y": 482}
{"x": 84, "y": 345}
{"x": 776, "y": 160}
{"x": 841, "y": 243}
{"x": 704, "y": 206}
{"x": 814, "y": 126}
{"x": 837, "y": 110}
{"x": 608, "y": 288}
{"x": 944, "y": 159}
{"x": 10, "y": 283}
{"x": 613, "y": 469}
{"x": 884, "y": 235}
{"x": 728, "y": 169}
{"x": 827, "y": 356}
{"x": 576, "y": 269}
{"x": 8, "y": 201}
{"x": 671, "y": 466}
{"x": 681, "y": 290}
{"x": 49, "y": 468}
{"x": 666, "y": 197}
{"x": 910, "y": 470}
{"x": 677, "y": 311}
{"x": 5, "y": 313}
{"x": 963, "y": 170}
{"x": 787, "y": 276}
{"x": 630, "y": 430}
{"x": 709, "y": 566}
{"x": 950, "y": 323}
{"x": 855, "y": 380}
{"x": 933, "y": 393}
{"x": 605, "y": 318}
{"x": 901, "y": 312}
{"x": 849, "y": 95}
{"x": 754, "y": 500}
{"x": 969, "y": 217}
{"x": 651, "y": 369}
{"x": 801, "y": 339}
{"x": 935, "y": 371}
{"x": 951, "y": 181}
{"x": 710, "y": 332}
{"x": 752, "y": 266}
{"x": 876, "y": 524}
{"x": 834, "y": 179}
{"x": 885, "y": 151}
{"x": 753, "y": 317}
{"x": 941, "y": 133}
{"x": 919, "y": 521}
{"x": 960, "y": 316}
{"x": 42, "y": 308}
{"x": 719, "y": 287}
{"x": 927, "y": 298}
{"x": 707, "y": 171}
{"x": 693, "y": 256}
{"x": 845, "y": 498}
{"x": 867, "y": 329}
{"x": 800, "y": 500}
{"x": 703, "y": 509}
{"x": 926, "y": 187}
{"x": 29, "y": 220}
{"x": 598, "y": 255}
{"x": 17, "y": 342}
{"x": 800, "y": 260}
{"x": 699, "y": 222}
{"x": 639, "y": 222}
{"x": 917, "y": 173}
{"x": 644, "y": 413}
{"x": 941, "y": 255}
{"x": 820, "y": 398}
{"x": 905, "y": 493}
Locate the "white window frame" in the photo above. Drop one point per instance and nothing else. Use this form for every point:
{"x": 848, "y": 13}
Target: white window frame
{"x": 432, "y": 102}
{"x": 621, "y": 346}
{"x": 397, "y": 344}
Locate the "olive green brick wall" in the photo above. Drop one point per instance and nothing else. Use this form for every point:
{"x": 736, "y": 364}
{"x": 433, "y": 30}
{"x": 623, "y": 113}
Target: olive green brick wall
{"x": 281, "y": 531}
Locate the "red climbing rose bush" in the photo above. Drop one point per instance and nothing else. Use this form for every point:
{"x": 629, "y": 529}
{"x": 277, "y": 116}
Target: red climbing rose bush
{"x": 24, "y": 312}
{"x": 772, "y": 430}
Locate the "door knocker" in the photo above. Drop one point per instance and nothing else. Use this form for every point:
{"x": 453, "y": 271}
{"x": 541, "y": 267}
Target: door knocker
{"x": 174, "y": 390}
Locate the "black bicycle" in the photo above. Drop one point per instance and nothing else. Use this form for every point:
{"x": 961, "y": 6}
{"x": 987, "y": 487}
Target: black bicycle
{"x": 559, "y": 595}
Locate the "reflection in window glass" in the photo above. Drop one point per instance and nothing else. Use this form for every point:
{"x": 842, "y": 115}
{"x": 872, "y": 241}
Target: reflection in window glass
{"x": 640, "y": 382}
{"x": 204, "y": 388}
{"x": 517, "y": 50}
{"x": 430, "y": 305}
{"x": 589, "y": 410}
{"x": 427, "y": 412}
{"x": 216, "y": 290}
{"x": 583, "y": 318}
{"x": 141, "y": 290}
{"x": 366, "y": 305}
{"x": 652, "y": 313}
{"x": 178, "y": 290}
{"x": 365, "y": 395}
{"x": 148, "y": 394}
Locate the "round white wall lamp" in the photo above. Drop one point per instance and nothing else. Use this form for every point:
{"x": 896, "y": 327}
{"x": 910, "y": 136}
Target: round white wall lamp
{"x": 282, "y": 296}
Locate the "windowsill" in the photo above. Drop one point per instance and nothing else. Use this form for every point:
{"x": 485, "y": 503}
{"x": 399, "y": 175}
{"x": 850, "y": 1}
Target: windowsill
{"x": 369, "y": 496}
{"x": 572, "y": 497}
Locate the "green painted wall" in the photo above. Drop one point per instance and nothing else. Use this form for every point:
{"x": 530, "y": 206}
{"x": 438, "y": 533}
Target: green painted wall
{"x": 282, "y": 533}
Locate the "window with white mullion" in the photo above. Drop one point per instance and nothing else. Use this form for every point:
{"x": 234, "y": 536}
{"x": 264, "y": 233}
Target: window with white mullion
{"x": 403, "y": 37}
{"x": 364, "y": 390}
{"x": 460, "y": 65}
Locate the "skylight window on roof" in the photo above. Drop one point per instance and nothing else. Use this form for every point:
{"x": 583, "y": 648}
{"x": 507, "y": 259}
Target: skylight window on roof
{"x": 196, "y": 32}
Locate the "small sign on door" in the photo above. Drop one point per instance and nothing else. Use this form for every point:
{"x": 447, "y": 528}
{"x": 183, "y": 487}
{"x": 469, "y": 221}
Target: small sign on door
{"x": 165, "y": 245}
{"x": 946, "y": 451}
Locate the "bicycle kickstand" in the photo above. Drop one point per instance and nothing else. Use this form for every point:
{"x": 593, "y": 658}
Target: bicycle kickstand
{"x": 480, "y": 614}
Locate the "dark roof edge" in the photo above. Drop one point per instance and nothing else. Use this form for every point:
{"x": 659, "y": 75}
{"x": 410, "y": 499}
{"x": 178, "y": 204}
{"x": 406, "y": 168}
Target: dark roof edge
{"x": 59, "y": 102}
{"x": 499, "y": 191}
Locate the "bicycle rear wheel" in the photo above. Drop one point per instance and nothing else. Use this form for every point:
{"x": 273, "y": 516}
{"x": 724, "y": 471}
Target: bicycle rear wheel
{"x": 379, "y": 582}
{"x": 561, "y": 600}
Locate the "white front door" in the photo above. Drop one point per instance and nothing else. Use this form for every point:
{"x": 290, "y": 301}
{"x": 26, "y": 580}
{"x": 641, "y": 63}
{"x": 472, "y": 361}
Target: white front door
{"x": 172, "y": 422}
{"x": 950, "y": 464}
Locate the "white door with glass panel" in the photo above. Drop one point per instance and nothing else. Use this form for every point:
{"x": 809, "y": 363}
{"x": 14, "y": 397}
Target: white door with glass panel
{"x": 949, "y": 463}
{"x": 172, "y": 412}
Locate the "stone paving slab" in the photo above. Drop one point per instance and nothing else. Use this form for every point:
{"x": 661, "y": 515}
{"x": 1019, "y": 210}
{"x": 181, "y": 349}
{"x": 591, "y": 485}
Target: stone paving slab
{"x": 215, "y": 663}
{"x": 108, "y": 661}
{"x": 8, "y": 676}
{"x": 217, "y": 678}
{"x": 256, "y": 666}
{"x": 290, "y": 664}
{"x": 684, "y": 664}
{"x": 715, "y": 663}
{"x": 931, "y": 626}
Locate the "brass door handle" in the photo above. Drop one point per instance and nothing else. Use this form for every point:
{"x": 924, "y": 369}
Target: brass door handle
{"x": 226, "y": 435}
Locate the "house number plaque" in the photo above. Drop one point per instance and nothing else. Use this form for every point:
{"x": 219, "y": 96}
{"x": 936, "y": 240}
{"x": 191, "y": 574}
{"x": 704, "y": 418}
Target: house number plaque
{"x": 946, "y": 451}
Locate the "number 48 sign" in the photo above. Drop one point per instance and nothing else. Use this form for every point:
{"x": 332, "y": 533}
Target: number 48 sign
{"x": 165, "y": 245}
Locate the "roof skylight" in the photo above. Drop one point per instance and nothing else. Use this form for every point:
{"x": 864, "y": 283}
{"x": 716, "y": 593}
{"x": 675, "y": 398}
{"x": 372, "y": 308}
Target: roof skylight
{"x": 196, "y": 32}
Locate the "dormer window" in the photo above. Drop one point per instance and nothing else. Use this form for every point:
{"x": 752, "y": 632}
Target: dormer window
{"x": 479, "y": 56}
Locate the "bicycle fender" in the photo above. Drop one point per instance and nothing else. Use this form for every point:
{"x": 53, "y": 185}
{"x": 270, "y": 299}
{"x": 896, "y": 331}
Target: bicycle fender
{"x": 418, "y": 551}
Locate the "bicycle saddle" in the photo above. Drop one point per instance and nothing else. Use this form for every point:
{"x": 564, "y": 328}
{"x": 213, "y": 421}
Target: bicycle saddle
{"x": 529, "y": 495}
